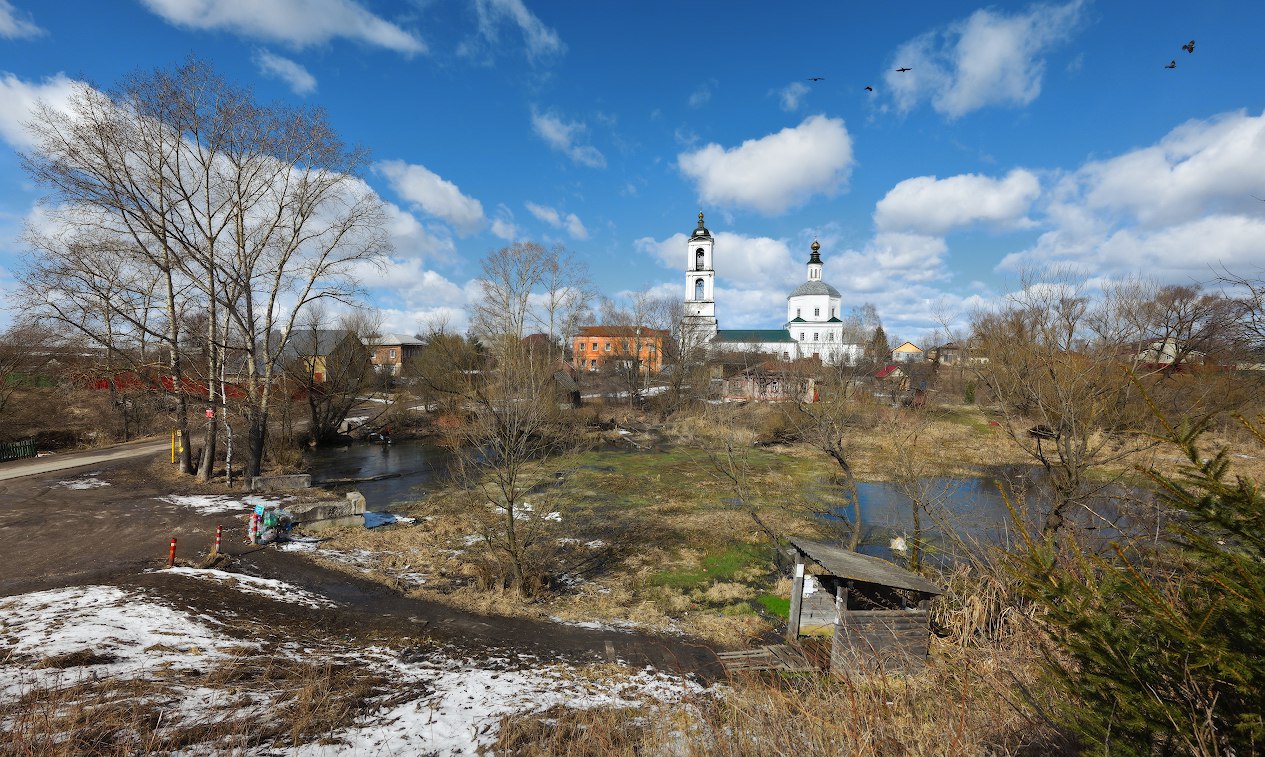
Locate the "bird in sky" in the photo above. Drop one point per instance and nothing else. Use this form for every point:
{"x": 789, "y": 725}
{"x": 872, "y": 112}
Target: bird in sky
{"x": 1171, "y": 64}
{"x": 816, "y": 78}
{"x": 869, "y": 89}
{"x": 903, "y": 69}
{"x": 1189, "y": 47}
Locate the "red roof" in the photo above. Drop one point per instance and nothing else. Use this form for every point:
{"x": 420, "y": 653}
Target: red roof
{"x": 886, "y": 371}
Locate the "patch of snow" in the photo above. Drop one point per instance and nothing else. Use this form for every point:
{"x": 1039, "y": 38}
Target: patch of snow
{"x": 268, "y": 587}
{"x": 466, "y": 700}
{"x": 375, "y": 519}
{"x": 86, "y": 481}
{"x": 136, "y": 633}
{"x": 214, "y": 504}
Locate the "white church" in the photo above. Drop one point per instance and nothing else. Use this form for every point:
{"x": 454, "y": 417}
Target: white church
{"x": 813, "y": 327}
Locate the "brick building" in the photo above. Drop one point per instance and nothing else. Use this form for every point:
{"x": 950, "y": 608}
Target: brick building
{"x": 597, "y": 346}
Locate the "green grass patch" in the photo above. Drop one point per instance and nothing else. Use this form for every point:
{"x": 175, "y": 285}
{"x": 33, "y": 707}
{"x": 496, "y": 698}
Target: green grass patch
{"x": 774, "y": 605}
{"x": 717, "y": 565}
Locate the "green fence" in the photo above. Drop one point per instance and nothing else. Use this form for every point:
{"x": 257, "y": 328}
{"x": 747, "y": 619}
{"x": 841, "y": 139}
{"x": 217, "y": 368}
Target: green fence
{"x": 17, "y": 450}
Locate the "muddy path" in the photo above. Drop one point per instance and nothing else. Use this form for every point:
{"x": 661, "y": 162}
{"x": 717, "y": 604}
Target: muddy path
{"x": 54, "y": 535}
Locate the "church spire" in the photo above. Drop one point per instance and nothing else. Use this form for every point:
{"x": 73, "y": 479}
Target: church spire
{"x": 701, "y": 231}
{"x": 814, "y": 262}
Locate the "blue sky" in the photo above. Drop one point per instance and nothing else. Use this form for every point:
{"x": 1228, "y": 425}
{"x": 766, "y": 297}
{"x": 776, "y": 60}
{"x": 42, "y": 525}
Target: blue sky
{"x": 1024, "y": 135}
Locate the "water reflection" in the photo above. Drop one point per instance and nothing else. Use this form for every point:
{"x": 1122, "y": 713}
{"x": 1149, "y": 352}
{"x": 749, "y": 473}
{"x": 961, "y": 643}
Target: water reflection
{"x": 417, "y": 468}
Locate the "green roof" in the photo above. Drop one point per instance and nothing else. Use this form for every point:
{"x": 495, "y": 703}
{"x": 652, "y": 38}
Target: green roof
{"x": 797, "y": 319}
{"x": 752, "y": 335}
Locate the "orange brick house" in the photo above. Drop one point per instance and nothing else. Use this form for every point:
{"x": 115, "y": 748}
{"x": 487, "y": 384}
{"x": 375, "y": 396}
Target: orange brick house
{"x": 597, "y": 346}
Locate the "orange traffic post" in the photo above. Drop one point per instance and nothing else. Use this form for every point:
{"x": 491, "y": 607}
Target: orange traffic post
{"x": 171, "y": 555}
{"x": 173, "y": 446}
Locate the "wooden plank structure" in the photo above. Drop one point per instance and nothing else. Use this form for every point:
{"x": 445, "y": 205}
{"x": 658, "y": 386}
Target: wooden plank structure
{"x": 781, "y": 657}
{"x": 875, "y": 610}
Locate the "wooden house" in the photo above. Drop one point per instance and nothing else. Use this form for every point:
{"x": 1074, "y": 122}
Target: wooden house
{"x": 875, "y": 612}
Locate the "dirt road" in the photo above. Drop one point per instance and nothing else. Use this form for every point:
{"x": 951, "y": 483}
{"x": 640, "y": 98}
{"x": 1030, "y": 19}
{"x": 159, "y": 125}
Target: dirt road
{"x": 115, "y": 530}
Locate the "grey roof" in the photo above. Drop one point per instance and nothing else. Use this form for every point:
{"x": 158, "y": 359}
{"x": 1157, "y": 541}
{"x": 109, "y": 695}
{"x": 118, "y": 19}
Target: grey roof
{"x": 741, "y": 336}
{"x": 814, "y": 287}
{"x": 313, "y": 342}
{"x": 400, "y": 339}
{"x": 858, "y": 567}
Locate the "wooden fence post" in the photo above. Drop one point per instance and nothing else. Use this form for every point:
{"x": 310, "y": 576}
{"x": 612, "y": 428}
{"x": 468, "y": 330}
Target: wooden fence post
{"x": 797, "y": 598}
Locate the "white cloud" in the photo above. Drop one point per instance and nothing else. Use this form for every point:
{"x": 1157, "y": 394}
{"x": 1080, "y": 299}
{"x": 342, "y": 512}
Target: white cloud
{"x": 987, "y": 59}
{"x": 564, "y": 136}
{"x": 928, "y": 205}
{"x": 435, "y": 195}
{"x": 542, "y": 42}
{"x": 15, "y": 25}
{"x": 300, "y": 23}
{"x": 410, "y": 238}
{"x": 776, "y": 172}
{"x": 300, "y": 81}
{"x": 571, "y": 222}
{"x": 504, "y": 229}
{"x": 1175, "y": 210}
{"x": 791, "y": 94}
{"x": 17, "y": 101}
{"x": 702, "y": 95}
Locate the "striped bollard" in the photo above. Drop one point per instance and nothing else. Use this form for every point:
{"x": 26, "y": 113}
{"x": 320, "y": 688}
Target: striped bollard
{"x": 171, "y": 554}
{"x": 254, "y": 528}
{"x": 219, "y": 531}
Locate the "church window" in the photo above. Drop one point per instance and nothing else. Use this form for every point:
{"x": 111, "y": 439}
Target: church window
{"x": 832, "y": 312}
{"x": 816, "y": 312}
{"x": 797, "y": 312}
{"x": 830, "y": 336}
{"x": 698, "y": 289}
{"x": 815, "y": 339}
{"x": 801, "y": 336}
{"x": 786, "y": 356}
{"x": 698, "y": 259}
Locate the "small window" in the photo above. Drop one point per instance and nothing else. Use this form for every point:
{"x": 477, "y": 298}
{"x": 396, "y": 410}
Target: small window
{"x": 801, "y": 336}
{"x": 608, "y": 346}
{"x": 830, "y": 336}
{"x": 832, "y": 312}
{"x": 581, "y": 346}
{"x": 816, "y": 312}
{"x": 698, "y": 259}
{"x": 786, "y": 356}
{"x": 815, "y": 339}
{"x": 797, "y": 312}
{"x": 391, "y": 353}
{"x": 595, "y": 346}
{"x": 593, "y": 364}
{"x": 698, "y": 289}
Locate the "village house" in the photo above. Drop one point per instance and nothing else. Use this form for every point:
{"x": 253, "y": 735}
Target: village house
{"x": 597, "y": 346}
{"x": 774, "y": 381}
{"x": 389, "y": 352}
{"x": 908, "y": 353}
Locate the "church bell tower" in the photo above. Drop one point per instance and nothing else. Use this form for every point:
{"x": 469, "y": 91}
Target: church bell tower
{"x": 699, "y": 324}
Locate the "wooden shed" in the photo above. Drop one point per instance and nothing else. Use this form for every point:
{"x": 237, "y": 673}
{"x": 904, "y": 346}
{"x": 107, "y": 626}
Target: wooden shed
{"x": 875, "y": 612}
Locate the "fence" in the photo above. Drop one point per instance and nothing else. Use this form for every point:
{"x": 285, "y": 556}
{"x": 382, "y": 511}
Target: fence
{"x": 17, "y": 450}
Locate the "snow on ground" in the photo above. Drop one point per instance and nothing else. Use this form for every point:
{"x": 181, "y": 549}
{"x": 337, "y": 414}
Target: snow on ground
{"x": 467, "y": 699}
{"x": 268, "y": 587}
{"x": 86, "y": 481}
{"x": 452, "y": 705}
{"x": 214, "y": 504}
{"x": 133, "y": 633}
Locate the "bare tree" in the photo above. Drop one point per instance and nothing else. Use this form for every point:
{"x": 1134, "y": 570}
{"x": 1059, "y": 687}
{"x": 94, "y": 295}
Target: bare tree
{"x": 1051, "y": 358}
{"x": 332, "y": 367}
{"x": 233, "y": 207}
{"x": 512, "y": 425}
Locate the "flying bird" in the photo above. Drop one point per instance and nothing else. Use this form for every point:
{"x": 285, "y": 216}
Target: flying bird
{"x": 903, "y": 70}
{"x": 1189, "y": 47}
{"x": 869, "y": 89}
{"x": 1171, "y": 64}
{"x": 816, "y": 78}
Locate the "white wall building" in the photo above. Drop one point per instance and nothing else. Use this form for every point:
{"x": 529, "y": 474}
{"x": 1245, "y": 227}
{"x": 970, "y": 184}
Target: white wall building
{"x": 813, "y": 327}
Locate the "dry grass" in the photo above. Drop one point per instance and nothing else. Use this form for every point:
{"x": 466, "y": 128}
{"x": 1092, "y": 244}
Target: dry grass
{"x": 262, "y": 702}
